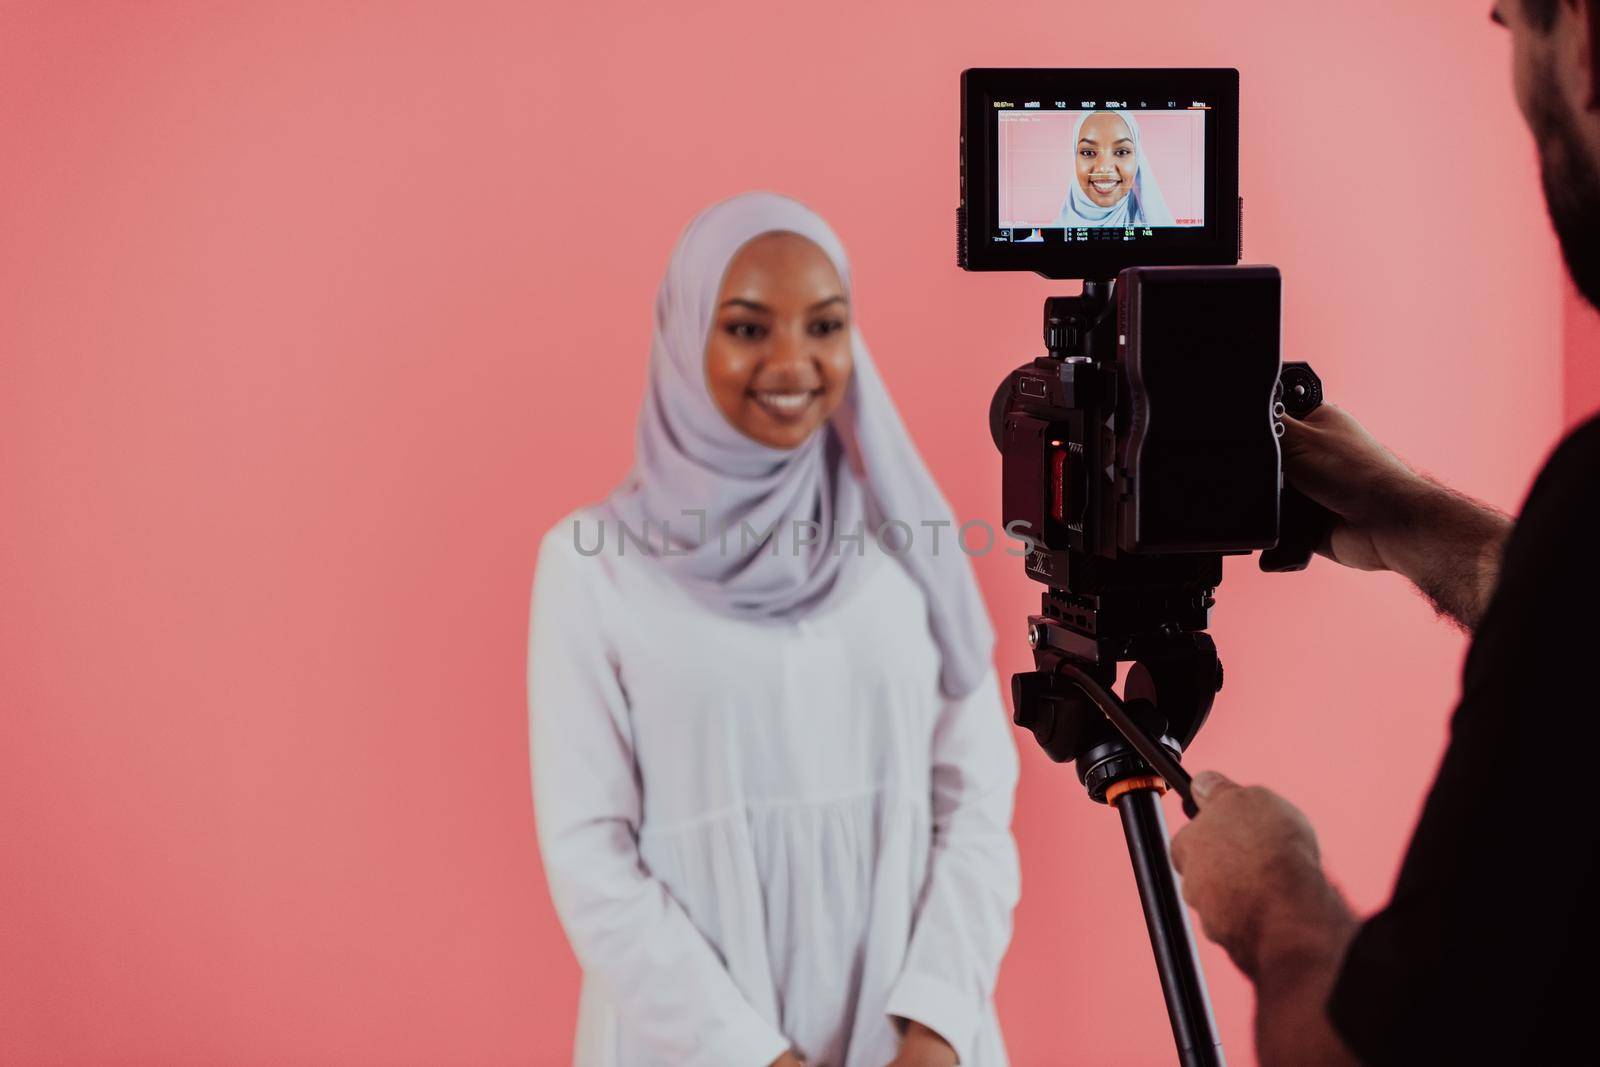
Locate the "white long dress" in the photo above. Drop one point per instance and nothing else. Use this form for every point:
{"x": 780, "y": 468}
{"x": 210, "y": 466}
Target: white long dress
{"x": 764, "y": 835}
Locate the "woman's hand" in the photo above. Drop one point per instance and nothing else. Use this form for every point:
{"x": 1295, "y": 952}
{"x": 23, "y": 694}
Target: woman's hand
{"x": 788, "y": 1059}
{"x": 921, "y": 1047}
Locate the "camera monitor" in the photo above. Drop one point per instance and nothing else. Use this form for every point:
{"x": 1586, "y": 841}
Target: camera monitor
{"x": 1079, "y": 173}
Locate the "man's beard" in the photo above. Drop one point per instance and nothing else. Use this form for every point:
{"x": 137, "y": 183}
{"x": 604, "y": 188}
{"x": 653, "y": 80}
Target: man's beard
{"x": 1571, "y": 187}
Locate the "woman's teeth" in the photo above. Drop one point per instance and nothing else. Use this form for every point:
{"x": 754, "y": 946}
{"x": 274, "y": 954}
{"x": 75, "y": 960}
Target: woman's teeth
{"x": 785, "y": 403}
{"x": 1105, "y": 186}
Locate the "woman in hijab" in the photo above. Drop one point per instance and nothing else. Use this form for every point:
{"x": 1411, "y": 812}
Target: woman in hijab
{"x": 773, "y": 778}
{"x": 1114, "y": 185}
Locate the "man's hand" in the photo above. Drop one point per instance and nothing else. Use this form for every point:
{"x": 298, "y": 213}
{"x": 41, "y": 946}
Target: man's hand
{"x": 1331, "y": 458}
{"x": 1249, "y": 860}
{"x": 1389, "y": 517}
{"x": 1252, "y": 870}
{"x": 922, "y": 1047}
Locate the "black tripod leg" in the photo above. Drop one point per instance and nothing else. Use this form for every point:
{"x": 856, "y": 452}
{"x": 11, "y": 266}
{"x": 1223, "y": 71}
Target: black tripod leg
{"x": 1188, "y": 1004}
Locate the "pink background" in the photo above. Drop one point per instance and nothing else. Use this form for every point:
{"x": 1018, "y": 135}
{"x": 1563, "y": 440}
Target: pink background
{"x": 307, "y": 333}
{"x": 1037, "y": 162}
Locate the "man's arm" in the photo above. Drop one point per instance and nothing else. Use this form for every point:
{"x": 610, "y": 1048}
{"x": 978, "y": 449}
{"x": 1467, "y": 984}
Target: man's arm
{"x": 1294, "y": 977}
{"x": 1253, "y": 873}
{"x": 1392, "y": 518}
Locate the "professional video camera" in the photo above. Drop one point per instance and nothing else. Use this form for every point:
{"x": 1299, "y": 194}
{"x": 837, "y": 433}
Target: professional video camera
{"x": 1143, "y": 446}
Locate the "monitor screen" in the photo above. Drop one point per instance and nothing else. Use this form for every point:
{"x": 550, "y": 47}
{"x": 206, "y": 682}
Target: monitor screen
{"x": 1080, "y": 160}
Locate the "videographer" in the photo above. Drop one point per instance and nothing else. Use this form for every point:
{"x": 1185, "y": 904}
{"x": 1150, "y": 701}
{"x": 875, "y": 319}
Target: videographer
{"x": 1483, "y": 953}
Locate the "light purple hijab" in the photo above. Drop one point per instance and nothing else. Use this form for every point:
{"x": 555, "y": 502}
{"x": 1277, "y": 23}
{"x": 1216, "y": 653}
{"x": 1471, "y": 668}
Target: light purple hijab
{"x": 857, "y": 472}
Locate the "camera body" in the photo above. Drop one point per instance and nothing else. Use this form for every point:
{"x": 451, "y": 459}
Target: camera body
{"x": 1143, "y": 447}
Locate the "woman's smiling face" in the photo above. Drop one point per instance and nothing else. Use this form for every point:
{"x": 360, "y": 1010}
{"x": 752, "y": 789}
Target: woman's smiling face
{"x": 779, "y": 356}
{"x": 1107, "y": 158}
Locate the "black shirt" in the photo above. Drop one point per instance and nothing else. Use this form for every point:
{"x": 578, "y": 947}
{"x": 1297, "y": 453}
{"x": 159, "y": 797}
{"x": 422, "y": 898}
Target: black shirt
{"x": 1487, "y": 952}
